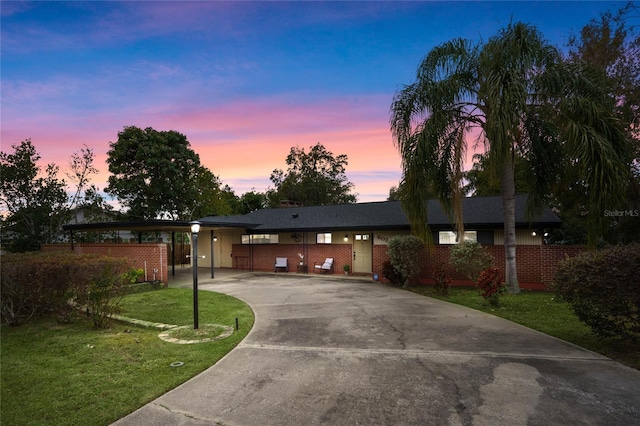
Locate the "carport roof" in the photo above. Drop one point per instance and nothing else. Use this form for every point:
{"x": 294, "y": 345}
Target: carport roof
{"x": 152, "y": 225}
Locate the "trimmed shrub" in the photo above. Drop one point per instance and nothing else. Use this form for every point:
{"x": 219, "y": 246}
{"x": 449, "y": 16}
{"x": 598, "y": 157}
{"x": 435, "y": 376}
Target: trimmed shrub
{"x": 30, "y": 284}
{"x": 58, "y": 282}
{"x": 470, "y": 259}
{"x": 603, "y": 289}
{"x": 442, "y": 279}
{"x": 491, "y": 285}
{"x": 405, "y": 252}
{"x": 390, "y": 273}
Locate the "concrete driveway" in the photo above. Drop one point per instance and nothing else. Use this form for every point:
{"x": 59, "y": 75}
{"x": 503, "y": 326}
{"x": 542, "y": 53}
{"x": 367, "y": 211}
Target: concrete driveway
{"x": 346, "y": 352}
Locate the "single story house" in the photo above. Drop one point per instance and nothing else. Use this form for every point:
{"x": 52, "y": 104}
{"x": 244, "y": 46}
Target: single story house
{"x": 357, "y": 235}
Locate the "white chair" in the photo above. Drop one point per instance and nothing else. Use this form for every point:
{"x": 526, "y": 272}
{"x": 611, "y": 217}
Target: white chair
{"x": 281, "y": 262}
{"x": 325, "y": 267}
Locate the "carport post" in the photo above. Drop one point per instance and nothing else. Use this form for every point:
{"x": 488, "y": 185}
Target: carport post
{"x": 213, "y": 238}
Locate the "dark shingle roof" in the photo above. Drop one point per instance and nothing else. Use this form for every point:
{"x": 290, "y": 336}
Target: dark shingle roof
{"x": 479, "y": 212}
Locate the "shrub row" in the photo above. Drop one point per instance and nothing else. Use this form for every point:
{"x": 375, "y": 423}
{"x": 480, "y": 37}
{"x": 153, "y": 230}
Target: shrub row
{"x": 59, "y": 283}
{"x": 603, "y": 289}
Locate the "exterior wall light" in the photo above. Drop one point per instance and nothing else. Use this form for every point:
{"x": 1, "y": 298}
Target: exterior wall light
{"x": 346, "y": 237}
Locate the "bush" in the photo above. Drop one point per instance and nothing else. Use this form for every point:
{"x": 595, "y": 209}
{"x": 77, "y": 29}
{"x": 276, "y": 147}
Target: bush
{"x": 491, "y": 285}
{"x": 57, "y": 283}
{"x": 470, "y": 259}
{"x": 390, "y": 273}
{"x": 30, "y": 284}
{"x": 405, "y": 252}
{"x": 603, "y": 289}
{"x": 106, "y": 284}
{"x": 442, "y": 279}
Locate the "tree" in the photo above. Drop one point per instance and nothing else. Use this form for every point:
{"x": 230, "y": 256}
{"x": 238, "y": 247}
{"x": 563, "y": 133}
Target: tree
{"x": 252, "y": 201}
{"x": 154, "y": 173}
{"x": 35, "y": 201}
{"x": 212, "y": 198}
{"x": 86, "y": 195}
{"x": 613, "y": 48}
{"x": 525, "y": 100}
{"x": 314, "y": 178}
{"x": 483, "y": 182}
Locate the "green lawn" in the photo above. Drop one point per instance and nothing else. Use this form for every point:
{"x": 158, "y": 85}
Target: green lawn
{"x": 72, "y": 374}
{"x": 543, "y": 311}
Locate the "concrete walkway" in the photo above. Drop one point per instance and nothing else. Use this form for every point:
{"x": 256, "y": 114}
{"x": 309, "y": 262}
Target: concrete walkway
{"x": 350, "y": 352}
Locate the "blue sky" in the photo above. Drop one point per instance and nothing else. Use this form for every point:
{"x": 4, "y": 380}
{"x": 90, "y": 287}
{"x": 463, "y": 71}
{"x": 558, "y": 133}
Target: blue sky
{"x": 244, "y": 81}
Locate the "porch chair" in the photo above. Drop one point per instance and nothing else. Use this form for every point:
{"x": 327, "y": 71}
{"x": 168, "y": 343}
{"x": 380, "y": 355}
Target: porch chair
{"x": 325, "y": 267}
{"x": 281, "y": 262}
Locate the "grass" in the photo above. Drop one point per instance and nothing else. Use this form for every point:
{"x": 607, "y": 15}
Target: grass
{"x": 544, "y": 312}
{"x": 72, "y": 374}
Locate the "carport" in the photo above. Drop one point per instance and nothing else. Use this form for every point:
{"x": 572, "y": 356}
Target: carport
{"x": 154, "y": 226}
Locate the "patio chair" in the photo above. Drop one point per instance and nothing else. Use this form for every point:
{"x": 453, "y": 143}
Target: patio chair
{"x": 281, "y": 262}
{"x": 325, "y": 267}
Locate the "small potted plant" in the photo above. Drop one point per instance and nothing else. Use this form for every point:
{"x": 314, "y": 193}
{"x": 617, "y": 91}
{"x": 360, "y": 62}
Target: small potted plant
{"x": 346, "y": 268}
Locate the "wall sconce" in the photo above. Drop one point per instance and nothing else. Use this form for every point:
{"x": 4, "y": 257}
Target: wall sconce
{"x": 215, "y": 238}
{"x": 346, "y": 237}
{"x": 533, "y": 233}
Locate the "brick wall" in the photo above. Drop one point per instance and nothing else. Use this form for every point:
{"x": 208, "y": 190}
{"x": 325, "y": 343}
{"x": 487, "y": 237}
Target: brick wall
{"x": 536, "y": 264}
{"x": 150, "y": 257}
{"x": 264, "y": 255}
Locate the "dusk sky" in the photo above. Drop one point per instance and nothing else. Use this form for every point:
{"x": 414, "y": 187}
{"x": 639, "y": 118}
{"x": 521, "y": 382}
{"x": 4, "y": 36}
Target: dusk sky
{"x": 244, "y": 81}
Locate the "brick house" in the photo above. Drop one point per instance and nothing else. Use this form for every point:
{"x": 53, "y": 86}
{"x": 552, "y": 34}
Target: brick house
{"x": 357, "y": 235}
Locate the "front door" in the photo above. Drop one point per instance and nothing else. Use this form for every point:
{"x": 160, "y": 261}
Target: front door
{"x": 362, "y": 253}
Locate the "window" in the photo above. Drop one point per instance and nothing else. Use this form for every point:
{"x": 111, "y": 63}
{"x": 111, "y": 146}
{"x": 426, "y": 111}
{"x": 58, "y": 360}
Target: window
{"x": 323, "y": 238}
{"x": 449, "y": 237}
{"x": 362, "y": 237}
{"x": 260, "y": 239}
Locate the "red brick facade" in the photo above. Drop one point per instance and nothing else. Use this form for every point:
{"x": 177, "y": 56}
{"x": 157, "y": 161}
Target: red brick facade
{"x": 152, "y": 258}
{"x": 264, "y": 255}
{"x": 536, "y": 263}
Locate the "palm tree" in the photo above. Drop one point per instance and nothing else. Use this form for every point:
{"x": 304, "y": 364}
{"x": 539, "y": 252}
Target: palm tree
{"x": 520, "y": 98}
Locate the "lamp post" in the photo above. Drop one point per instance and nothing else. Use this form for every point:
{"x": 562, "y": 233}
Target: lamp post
{"x": 195, "y": 228}
{"x": 213, "y": 240}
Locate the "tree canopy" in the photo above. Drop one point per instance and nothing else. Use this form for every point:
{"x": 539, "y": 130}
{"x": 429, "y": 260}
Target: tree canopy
{"x": 154, "y": 173}
{"x": 312, "y": 178}
{"x": 36, "y": 203}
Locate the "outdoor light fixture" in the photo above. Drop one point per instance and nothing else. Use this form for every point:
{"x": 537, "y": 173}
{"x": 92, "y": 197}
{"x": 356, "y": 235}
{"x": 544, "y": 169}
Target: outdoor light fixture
{"x": 195, "y": 228}
{"x": 346, "y": 237}
{"x": 533, "y": 233}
